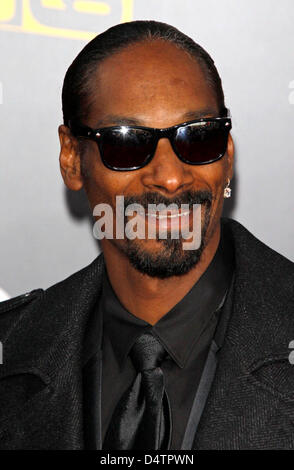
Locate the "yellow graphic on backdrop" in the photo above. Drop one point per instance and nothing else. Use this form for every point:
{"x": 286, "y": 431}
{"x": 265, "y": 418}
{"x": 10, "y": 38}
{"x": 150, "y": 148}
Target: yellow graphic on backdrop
{"x": 19, "y": 16}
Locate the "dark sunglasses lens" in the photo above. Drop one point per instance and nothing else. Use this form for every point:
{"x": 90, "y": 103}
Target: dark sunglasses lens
{"x": 125, "y": 148}
{"x": 201, "y": 142}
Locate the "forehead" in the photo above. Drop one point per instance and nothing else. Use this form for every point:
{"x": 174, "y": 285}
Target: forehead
{"x": 154, "y": 82}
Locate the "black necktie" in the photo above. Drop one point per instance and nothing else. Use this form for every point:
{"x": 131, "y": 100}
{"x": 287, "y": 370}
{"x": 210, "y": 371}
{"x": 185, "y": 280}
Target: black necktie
{"x": 142, "y": 418}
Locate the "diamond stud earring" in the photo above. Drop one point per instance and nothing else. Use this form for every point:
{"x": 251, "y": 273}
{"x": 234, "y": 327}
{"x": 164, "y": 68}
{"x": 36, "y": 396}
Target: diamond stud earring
{"x": 227, "y": 190}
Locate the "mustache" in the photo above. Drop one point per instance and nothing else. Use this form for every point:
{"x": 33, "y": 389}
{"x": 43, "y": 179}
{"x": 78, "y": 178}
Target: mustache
{"x": 187, "y": 197}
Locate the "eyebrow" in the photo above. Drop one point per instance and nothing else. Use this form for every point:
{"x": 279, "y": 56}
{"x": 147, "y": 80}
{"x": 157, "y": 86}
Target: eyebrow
{"x": 117, "y": 120}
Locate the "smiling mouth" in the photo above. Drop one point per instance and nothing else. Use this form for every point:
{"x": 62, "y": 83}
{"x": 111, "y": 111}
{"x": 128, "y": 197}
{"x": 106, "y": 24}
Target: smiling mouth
{"x": 170, "y": 215}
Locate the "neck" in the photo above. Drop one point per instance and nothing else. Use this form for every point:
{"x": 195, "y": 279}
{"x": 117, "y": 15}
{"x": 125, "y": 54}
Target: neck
{"x": 147, "y": 297}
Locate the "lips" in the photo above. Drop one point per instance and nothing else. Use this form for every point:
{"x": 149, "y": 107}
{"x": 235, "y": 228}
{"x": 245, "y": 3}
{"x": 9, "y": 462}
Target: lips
{"x": 171, "y": 221}
{"x": 168, "y": 214}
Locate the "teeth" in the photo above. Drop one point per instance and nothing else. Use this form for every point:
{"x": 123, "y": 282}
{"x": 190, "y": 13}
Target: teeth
{"x": 182, "y": 214}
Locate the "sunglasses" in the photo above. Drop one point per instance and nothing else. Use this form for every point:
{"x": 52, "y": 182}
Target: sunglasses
{"x": 126, "y": 148}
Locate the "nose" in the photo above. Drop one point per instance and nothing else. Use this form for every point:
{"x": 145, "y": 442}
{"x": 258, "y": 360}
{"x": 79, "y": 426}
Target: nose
{"x": 166, "y": 172}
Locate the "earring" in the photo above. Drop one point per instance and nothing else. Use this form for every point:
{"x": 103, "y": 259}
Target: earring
{"x": 227, "y": 190}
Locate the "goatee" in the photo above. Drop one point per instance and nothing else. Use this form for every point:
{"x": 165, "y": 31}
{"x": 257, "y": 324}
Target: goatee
{"x": 171, "y": 259}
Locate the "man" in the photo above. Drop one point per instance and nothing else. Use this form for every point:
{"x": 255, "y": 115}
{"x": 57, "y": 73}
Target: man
{"x": 152, "y": 346}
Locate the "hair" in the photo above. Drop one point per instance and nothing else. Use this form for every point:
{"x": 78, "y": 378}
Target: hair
{"x": 77, "y": 82}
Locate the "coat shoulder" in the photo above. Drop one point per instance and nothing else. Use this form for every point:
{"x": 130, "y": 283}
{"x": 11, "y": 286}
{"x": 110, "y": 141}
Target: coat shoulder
{"x": 258, "y": 259}
{"x": 16, "y": 303}
{"x": 263, "y": 291}
{"x": 13, "y": 309}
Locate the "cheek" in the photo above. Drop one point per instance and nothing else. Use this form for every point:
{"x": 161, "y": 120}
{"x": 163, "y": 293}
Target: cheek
{"x": 218, "y": 180}
{"x": 103, "y": 185}
{"x": 211, "y": 176}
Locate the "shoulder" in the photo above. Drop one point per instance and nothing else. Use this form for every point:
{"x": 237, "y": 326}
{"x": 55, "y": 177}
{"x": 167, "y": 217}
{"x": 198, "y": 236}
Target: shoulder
{"x": 12, "y": 310}
{"x": 54, "y": 300}
{"x": 20, "y": 301}
{"x": 264, "y": 280}
{"x": 254, "y": 256}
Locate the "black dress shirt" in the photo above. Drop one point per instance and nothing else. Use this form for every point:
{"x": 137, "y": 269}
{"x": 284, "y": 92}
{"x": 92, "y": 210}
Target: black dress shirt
{"x": 186, "y": 332}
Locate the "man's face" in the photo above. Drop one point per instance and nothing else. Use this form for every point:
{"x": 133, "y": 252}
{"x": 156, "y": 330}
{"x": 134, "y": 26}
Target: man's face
{"x": 156, "y": 85}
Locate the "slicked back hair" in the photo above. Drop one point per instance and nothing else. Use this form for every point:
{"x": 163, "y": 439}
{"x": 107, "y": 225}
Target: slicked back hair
{"x": 77, "y": 82}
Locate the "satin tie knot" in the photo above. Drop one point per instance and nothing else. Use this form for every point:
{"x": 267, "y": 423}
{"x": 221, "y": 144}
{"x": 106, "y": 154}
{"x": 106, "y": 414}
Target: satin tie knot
{"x": 147, "y": 352}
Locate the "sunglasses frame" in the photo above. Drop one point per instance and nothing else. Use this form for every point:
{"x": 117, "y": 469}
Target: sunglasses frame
{"x": 79, "y": 130}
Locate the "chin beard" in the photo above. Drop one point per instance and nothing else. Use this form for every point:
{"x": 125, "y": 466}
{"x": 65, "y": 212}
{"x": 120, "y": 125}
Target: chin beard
{"x": 170, "y": 259}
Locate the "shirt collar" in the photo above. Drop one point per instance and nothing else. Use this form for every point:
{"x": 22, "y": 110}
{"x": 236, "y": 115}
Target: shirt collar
{"x": 180, "y": 328}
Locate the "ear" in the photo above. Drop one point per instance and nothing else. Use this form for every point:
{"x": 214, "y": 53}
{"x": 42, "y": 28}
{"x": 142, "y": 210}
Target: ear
{"x": 69, "y": 159}
{"x": 230, "y": 156}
